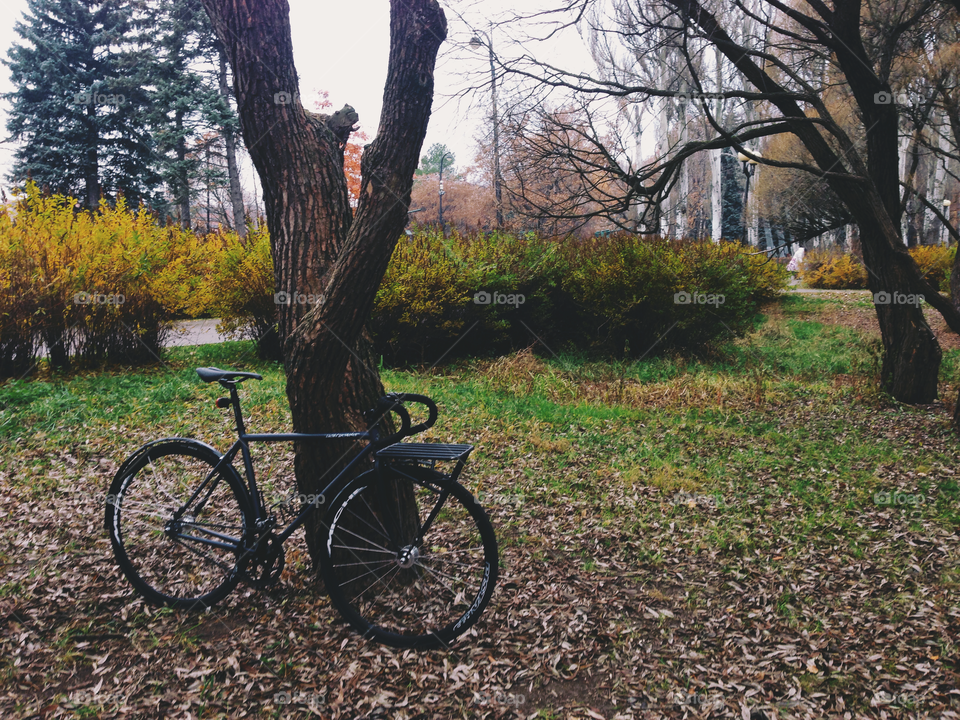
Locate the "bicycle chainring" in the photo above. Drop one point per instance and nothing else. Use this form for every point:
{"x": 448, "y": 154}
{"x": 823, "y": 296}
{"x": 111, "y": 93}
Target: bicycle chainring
{"x": 266, "y": 566}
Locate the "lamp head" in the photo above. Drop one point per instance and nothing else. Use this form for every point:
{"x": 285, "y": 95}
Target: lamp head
{"x": 476, "y": 42}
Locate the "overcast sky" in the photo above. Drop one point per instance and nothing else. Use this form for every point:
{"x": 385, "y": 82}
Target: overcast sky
{"x": 343, "y": 48}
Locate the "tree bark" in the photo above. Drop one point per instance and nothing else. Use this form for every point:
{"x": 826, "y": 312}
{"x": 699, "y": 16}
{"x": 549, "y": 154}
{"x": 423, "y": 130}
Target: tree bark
{"x": 319, "y": 249}
{"x": 91, "y": 170}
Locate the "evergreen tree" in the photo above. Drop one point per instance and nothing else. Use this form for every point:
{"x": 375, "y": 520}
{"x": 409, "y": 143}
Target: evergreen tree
{"x": 430, "y": 162}
{"x": 187, "y": 104}
{"x": 78, "y": 104}
{"x": 731, "y": 196}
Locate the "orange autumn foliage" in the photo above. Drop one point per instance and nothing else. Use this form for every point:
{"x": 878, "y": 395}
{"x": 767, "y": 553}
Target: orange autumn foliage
{"x": 351, "y": 153}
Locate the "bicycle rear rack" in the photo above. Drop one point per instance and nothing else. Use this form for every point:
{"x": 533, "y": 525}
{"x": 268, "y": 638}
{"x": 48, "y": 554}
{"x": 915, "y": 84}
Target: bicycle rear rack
{"x": 425, "y": 455}
{"x": 424, "y": 451}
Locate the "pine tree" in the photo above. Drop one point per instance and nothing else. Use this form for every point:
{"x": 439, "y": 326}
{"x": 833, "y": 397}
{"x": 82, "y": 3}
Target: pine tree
{"x": 430, "y": 162}
{"x": 78, "y": 104}
{"x": 186, "y": 97}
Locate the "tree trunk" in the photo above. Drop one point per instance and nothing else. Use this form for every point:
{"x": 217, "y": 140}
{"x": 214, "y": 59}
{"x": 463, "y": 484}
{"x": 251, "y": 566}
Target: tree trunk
{"x": 318, "y": 248}
{"x": 955, "y": 279}
{"x": 181, "y": 187}
{"x": 91, "y": 171}
{"x": 911, "y": 357}
{"x": 233, "y": 170}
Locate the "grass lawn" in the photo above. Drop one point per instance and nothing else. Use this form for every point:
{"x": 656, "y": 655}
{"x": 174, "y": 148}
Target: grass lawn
{"x": 756, "y": 533}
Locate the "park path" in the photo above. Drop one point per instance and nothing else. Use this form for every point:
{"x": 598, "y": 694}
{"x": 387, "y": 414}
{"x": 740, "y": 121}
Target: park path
{"x": 818, "y": 291}
{"x": 196, "y": 332}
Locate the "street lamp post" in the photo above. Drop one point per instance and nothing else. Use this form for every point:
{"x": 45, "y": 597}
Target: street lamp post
{"x": 748, "y": 169}
{"x": 443, "y": 157}
{"x": 476, "y": 42}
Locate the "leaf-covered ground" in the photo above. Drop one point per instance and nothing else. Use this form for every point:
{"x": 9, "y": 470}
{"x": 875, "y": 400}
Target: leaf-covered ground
{"x": 755, "y": 534}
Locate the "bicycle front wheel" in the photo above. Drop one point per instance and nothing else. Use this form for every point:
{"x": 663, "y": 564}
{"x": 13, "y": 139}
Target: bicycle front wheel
{"x": 409, "y": 557}
{"x": 178, "y": 548}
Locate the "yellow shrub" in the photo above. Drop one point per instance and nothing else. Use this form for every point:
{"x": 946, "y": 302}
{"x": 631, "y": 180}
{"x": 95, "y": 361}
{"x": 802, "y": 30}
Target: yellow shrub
{"x": 935, "y": 262}
{"x": 240, "y": 287}
{"x": 95, "y": 286}
{"x": 833, "y": 271}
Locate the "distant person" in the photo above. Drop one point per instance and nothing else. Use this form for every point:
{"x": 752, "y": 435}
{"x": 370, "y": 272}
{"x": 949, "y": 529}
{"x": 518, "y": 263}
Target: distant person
{"x": 796, "y": 261}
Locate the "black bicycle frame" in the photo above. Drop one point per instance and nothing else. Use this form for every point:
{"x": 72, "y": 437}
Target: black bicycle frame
{"x": 242, "y": 445}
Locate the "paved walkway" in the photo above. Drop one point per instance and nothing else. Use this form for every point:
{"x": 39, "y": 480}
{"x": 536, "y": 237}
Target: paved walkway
{"x": 818, "y": 291}
{"x": 196, "y": 332}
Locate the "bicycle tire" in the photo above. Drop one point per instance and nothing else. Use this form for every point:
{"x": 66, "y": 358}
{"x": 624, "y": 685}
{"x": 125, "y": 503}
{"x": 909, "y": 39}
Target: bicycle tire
{"x": 389, "y": 588}
{"x": 176, "y": 571}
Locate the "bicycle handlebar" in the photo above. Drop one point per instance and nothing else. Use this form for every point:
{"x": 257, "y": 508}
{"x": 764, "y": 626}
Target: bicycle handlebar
{"x": 394, "y": 403}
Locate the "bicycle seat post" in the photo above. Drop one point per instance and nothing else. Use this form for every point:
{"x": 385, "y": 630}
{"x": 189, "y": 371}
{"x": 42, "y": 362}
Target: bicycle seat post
{"x": 235, "y": 401}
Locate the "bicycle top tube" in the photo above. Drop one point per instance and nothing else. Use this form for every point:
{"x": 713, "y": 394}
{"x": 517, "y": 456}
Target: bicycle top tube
{"x": 289, "y": 437}
{"x": 393, "y": 402}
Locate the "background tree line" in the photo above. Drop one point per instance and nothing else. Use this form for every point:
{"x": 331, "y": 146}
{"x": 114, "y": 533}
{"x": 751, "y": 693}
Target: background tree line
{"x": 127, "y": 99}
{"x": 849, "y": 106}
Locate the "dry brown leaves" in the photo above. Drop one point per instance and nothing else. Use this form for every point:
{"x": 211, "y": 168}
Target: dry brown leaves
{"x": 614, "y": 602}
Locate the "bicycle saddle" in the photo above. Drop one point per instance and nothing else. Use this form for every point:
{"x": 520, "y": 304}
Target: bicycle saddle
{"x": 212, "y": 374}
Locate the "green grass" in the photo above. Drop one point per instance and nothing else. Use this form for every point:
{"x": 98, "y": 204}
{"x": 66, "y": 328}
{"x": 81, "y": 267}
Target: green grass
{"x": 744, "y": 426}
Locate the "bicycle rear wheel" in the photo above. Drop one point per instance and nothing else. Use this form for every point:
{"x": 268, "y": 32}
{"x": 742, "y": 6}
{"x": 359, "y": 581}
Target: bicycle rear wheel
{"x": 187, "y": 561}
{"x": 393, "y": 580}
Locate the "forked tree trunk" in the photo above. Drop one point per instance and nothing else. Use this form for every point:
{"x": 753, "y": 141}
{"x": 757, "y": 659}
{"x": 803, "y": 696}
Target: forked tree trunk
{"x": 319, "y": 249}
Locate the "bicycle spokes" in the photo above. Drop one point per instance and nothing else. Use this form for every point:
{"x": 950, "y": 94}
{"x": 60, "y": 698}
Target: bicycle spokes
{"x": 401, "y": 576}
{"x": 177, "y": 546}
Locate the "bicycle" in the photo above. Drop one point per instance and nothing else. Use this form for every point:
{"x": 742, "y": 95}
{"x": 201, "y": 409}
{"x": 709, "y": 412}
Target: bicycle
{"x": 408, "y": 557}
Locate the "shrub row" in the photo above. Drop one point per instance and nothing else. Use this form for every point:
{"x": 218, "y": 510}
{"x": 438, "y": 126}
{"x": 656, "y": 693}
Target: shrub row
{"x": 103, "y": 287}
{"x": 479, "y": 294}
{"x": 832, "y": 270}
{"x": 89, "y": 288}
{"x": 619, "y": 295}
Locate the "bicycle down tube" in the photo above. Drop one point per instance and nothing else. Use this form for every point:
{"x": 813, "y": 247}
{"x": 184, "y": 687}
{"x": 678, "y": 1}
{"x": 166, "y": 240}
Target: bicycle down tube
{"x": 242, "y": 445}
